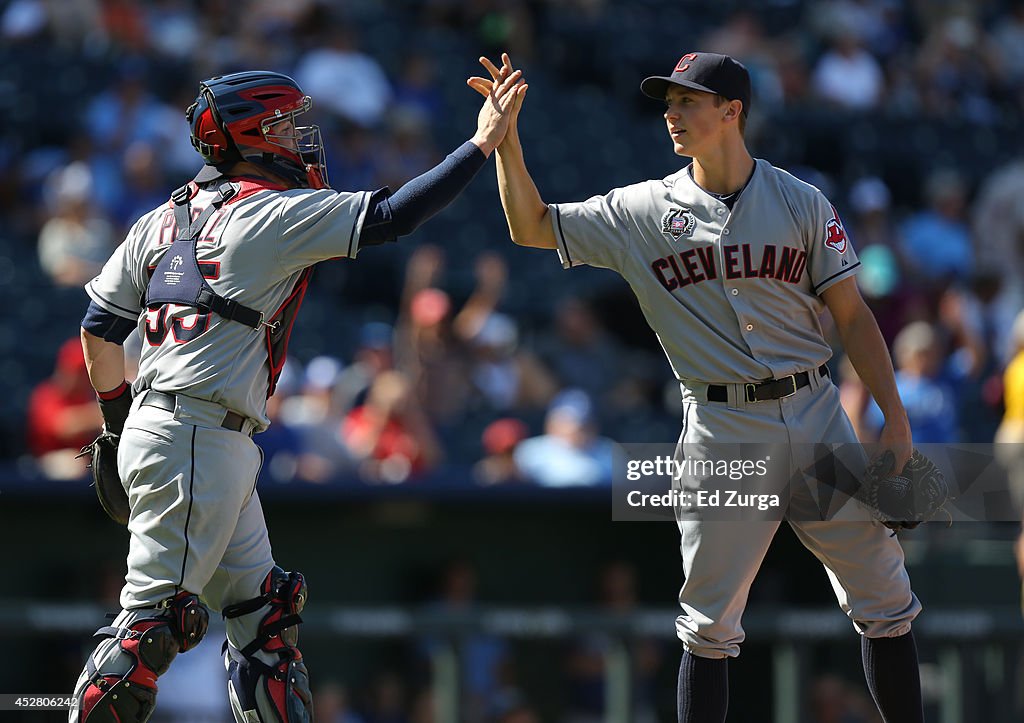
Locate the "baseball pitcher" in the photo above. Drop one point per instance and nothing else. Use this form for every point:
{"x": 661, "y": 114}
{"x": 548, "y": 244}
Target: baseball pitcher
{"x": 732, "y": 260}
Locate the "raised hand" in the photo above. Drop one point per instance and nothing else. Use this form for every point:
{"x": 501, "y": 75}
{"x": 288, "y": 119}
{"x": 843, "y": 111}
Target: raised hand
{"x": 497, "y": 87}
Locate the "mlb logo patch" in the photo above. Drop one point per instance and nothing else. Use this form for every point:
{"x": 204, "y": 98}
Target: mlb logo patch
{"x": 678, "y": 222}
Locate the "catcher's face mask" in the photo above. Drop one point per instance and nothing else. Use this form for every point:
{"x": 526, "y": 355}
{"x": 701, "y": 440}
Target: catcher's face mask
{"x": 251, "y": 116}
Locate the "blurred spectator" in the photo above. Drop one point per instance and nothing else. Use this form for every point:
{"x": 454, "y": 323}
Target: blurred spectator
{"x": 434, "y": 357}
{"x": 847, "y": 75}
{"x": 373, "y": 355}
{"x": 355, "y": 157}
{"x": 499, "y": 440}
{"x": 491, "y": 275}
{"x": 315, "y": 416}
{"x": 959, "y": 71}
{"x": 387, "y": 699}
{"x": 315, "y": 404}
{"x": 505, "y": 376}
{"x": 428, "y": 349}
{"x": 281, "y": 443}
{"x": 76, "y": 240}
{"x": 143, "y": 184}
{"x": 1008, "y": 37}
{"x": 965, "y": 322}
{"x": 519, "y": 713}
{"x": 416, "y": 89}
{"x": 484, "y": 660}
{"x": 347, "y": 81}
{"x": 589, "y": 656}
{"x": 174, "y": 29}
{"x": 569, "y": 453}
{"x": 331, "y": 704}
{"x": 998, "y": 231}
{"x": 24, "y": 19}
{"x": 882, "y": 279}
{"x": 63, "y": 415}
{"x": 742, "y": 37}
{"x": 501, "y": 26}
{"x": 929, "y": 398}
{"x": 580, "y": 351}
{"x": 411, "y": 150}
{"x": 936, "y": 242}
{"x": 193, "y": 689}
{"x": 424, "y": 707}
{"x": 389, "y": 433}
{"x": 834, "y": 700}
{"x": 127, "y": 112}
{"x": 124, "y": 23}
{"x": 1010, "y": 436}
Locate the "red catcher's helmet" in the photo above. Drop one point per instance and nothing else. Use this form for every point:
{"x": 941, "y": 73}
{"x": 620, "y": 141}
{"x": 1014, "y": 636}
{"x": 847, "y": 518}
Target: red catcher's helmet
{"x": 250, "y": 116}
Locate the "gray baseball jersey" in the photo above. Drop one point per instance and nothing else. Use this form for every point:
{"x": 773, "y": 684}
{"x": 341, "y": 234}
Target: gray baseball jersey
{"x": 732, "y": 295}
{"x": 251, "y": 251}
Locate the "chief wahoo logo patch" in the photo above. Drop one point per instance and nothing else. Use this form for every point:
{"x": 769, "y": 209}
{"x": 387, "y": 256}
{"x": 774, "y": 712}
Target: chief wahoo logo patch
{"x": 835, "y": 234}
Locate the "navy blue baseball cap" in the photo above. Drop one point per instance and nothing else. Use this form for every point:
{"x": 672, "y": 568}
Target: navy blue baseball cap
{"x": 709, "y": 72}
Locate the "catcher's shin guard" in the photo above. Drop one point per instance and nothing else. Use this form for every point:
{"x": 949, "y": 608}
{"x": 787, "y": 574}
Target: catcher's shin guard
{"x": 118, "y": 683}
{"x": 267, "y": 680}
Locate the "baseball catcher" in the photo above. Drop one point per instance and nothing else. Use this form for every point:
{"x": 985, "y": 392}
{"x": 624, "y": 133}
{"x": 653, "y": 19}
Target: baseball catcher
{"x": 902, "y": 501}
{"x": 212, "y": 281}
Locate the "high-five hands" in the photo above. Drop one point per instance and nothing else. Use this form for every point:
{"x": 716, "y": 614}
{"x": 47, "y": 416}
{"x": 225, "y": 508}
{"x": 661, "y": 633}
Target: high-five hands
{"x": 504, "y": 93}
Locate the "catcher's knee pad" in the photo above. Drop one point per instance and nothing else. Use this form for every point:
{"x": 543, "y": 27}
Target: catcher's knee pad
{"x": 119, "y": 680}
{"x": 267, "y": 680}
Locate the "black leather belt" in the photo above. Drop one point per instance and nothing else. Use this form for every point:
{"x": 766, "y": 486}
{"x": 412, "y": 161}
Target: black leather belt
{"x": 163, "y": 400}
{"x": 771, "y": 389}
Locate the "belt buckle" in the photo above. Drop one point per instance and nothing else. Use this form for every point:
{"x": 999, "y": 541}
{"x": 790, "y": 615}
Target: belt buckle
{"x": 750, "y": 392}
{"x": 792, "y": 380}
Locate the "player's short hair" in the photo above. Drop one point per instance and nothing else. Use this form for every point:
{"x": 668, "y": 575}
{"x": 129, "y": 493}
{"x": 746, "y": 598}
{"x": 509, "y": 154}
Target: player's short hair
{"x": 719, "y": 99}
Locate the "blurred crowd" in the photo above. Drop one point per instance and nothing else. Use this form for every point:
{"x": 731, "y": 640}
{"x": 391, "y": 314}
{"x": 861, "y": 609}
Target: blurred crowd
{"x": 442, "y": 371}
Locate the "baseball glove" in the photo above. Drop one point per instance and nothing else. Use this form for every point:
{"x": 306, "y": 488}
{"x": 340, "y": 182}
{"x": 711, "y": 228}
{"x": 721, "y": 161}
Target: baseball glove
{"x": 903, "y": 500}
{"x": 102, "y": 453}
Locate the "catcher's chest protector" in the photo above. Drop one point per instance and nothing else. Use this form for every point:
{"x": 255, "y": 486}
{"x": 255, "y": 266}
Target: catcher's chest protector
{"x": 178, "y": 279}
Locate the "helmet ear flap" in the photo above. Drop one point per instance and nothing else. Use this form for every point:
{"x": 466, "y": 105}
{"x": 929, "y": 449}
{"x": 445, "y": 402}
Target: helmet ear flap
{"x": 208, "y": 134}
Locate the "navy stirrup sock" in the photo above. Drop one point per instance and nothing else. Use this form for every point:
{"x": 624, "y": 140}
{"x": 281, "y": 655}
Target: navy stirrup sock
{"x": 703, "y": 693}
{"x": 891, "y": 670}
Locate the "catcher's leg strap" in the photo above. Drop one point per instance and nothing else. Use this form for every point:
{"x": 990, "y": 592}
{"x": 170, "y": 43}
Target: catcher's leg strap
{"x": 267, "y": 678}
{"x": 119, "y": 680}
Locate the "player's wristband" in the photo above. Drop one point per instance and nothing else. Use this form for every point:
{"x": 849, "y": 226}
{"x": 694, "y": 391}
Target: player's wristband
{"x": 115, "y": 405}
{"x": 115, "y": 392}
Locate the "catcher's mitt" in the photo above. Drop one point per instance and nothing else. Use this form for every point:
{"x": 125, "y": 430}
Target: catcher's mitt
{"x": 105, "y": 478}
{"x": 903, "y": 500}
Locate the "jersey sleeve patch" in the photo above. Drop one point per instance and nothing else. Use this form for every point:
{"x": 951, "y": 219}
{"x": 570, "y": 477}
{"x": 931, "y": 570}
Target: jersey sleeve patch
{"x": 835, "y": 234}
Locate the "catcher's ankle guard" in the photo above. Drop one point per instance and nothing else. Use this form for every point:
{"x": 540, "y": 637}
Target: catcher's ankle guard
{"x": 119, "y": 680}
{"x": 267, "y": 680}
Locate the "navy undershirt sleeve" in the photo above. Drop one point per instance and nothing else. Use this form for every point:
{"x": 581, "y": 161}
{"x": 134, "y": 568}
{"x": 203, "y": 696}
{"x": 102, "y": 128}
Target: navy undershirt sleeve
{"x": 109, "y": 327}
{"x": 389, "y": 217}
